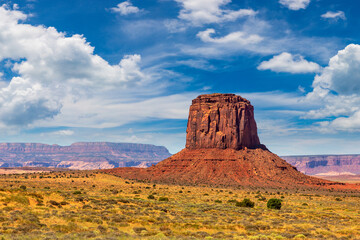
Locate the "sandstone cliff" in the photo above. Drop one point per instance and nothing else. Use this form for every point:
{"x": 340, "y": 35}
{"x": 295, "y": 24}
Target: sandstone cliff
{"x": 83, "y": 155}
{"x": 223, "y": 149}
{"x": 221, "y": 121}
{"x": 326, "y": 165}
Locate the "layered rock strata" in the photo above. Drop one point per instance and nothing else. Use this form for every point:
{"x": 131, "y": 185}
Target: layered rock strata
{"x": 221, "y": 121}
{"x": 223, "y": 149}
{"x": 326, "y": 165}
{"x": 82, "y": 155}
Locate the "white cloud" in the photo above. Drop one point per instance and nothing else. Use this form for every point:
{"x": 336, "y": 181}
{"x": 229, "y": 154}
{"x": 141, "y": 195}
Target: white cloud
{"x": 338, "y": 89}
{"x": 200, "y": 12}
{"x": 175, "y": 26}
{"x": 199, "y": 64}
{"x": 64, "y": 132}
{"x": 105, "y": 113}
{"x": 61, "y": 82}
{"x": 235, "y": 37}
{"x": 286, "y": 62}
{"x": 342, "y": 75}
{"x": 334, "y": 15}
{"x": 295, "y": 4}
{"x": 125, "y": 8}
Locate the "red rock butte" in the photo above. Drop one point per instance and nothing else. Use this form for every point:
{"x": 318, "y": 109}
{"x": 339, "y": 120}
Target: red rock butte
{"x": 221, "y": 121}
{"x": 223, "y": 149}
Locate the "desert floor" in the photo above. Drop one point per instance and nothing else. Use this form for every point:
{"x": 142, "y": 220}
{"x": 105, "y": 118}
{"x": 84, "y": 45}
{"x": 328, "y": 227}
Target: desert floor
{"x": 91, "y": 205}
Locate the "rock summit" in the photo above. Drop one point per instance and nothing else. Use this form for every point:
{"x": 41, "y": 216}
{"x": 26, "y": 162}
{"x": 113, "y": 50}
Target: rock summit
{"x": 221, "y": 121}
{"x": 223, "y": 149}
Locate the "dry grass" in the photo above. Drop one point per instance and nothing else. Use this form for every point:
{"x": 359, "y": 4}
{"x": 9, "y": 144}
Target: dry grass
{"x": 90, "y": 205}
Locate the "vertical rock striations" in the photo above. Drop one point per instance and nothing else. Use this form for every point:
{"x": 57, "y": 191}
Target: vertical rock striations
{"x": 223, "y": 149}
{"x": 221, "y": 121}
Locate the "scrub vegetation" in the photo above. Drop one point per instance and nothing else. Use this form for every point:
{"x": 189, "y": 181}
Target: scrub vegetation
{"x": 92, "y": 205}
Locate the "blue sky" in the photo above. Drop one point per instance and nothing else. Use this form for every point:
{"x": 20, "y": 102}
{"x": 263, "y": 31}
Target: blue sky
{"x": 126, "y": 71}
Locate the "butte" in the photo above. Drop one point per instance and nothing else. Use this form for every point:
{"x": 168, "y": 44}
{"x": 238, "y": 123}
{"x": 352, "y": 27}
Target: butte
{"x": 223, "y": 149}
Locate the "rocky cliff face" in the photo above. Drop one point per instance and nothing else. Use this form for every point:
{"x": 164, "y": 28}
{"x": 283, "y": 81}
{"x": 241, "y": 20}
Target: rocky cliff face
{"x": 326, "y": 165}
{"x": 223, "y": 149}
{"x": 83, "y": 155}
{"x": 221, "y": 121}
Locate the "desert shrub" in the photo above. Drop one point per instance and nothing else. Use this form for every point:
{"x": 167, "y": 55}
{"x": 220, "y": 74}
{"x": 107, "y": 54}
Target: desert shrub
{"x": 55, "y": 203}
{"x": 138, "y": 230}
{"x": 77, "y": 192}
{"x": 101, "y": 228}
{"x": 274, "y": 203}
{"x": 71, "y": 227}
{"x": 218, "y": 201}
{"x": 151, "y": 197}
{"x": 245, "y": 203}
{"x": 22, "y": 187}
{"x": 232, "y": 201}
{"x": 163, "y": 199}
{"x": 18, "y": 198}
{"x": 111, "y": 201}
{"x": 36, "y": 195}
{"x": 338, "y": 199}
{"x": 305, "y": 204}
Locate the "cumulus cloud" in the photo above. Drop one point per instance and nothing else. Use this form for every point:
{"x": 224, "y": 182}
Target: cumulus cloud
{"x": 295, "y": 4}
{"x": 338, "y": 88}
{"x": 125, "y": 8}
{"x": 59, "y": 81}
{"x": 342, "y": 75}
{"x": 235, "y": 37}
{"x": 200, "y": 12}
{"x": 286, "y": 62}
{"x": 334, "y": 15}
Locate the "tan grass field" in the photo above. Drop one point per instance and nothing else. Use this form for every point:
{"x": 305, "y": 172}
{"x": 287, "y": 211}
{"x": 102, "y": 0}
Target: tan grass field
{"x": 90, "y": 205}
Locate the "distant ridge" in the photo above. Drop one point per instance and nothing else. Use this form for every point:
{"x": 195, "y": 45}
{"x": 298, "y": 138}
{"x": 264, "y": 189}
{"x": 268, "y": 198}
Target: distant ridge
{"x": 326, "y": 165}
{"x": 81, "y": 155}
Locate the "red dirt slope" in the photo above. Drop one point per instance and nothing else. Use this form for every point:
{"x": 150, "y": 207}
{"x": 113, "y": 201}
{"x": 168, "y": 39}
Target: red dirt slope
{"x": 227, "y": 167}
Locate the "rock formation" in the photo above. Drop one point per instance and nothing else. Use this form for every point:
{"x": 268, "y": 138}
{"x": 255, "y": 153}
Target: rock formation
{"x": 223, "y": 149}
{"x": 83, "y": 155}
{"x": 326, "y": 165}
{"x": 221, "y": 121}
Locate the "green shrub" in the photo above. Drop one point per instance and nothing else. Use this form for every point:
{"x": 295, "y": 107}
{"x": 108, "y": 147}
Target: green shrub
{"x": 151, "y": 197}
{"x": 17, "y": 198}
{"x": 22, "y": 187}
{"x": 245, "y": 203}
{"x": 54, "y": 203}
{"x": 163, "y": 199}
{"x": 218, "y": 201}
{"x": 274, "y": 203}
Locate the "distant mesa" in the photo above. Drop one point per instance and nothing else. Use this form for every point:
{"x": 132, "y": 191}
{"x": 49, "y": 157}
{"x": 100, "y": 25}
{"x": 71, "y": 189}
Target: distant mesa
{"x": 81, "y": 155}
{"x": 326, "y": 165}
{"x": 223, "y": 149}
